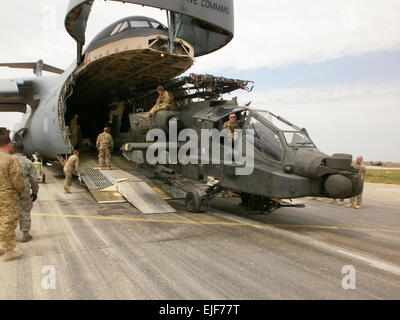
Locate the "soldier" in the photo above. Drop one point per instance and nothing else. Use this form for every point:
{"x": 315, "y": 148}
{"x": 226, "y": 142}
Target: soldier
{"x": 11, "y": 187}
{"x": 231, "y": 124}
{"x": 118, "y": 110}
{"x": 105, "y": 145}
{"x": 74, "y": 128}
{"x": 355, "y": 202}
{"x": 31, "y": 183}
{"x": 165, "y": 101}
{"x": 70, "y": 168}
{"x": 339, "y": 203}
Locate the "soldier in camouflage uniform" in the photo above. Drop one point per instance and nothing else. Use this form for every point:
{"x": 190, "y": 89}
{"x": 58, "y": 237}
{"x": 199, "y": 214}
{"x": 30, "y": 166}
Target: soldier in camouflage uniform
{"x": 70, "y": 168}
{"x": 355, "y": 202}
{"x": 232, "y": 124}
{"x": 105, "y": 145}
{"x": 74, "y": 128}
{"x": 118, "y": 110}
{"x": 31, "y": 183}
{"x": 11, "y": 187}
{"x": 339, "y": 203}
{"x": 165, "y": 101}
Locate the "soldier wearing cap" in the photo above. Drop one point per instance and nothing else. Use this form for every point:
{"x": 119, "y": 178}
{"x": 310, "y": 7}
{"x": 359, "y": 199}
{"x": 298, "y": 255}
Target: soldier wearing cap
{"x": 11, "y": 187}
{"x": 232, "y": 125}
{"x": 105, "y": 145}
{"x": 31, "y": 184}
{"x": 165, "y": 101}
{"x": 355, "y": 202}
{"x": 71, "y": 168}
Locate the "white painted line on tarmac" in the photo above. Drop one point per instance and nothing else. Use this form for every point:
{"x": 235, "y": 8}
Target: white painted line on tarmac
{"x": 373, "y": 262}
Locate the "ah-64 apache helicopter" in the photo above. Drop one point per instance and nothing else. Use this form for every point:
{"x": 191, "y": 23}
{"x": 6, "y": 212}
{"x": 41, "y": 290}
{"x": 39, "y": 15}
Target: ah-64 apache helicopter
{"x": 284, "y": 163}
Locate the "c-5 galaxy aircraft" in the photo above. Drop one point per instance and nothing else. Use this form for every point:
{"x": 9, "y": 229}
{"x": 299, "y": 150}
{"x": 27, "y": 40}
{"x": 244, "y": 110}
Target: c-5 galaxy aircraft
{"x": 132, "y": 51}
{"x": 126, "y": 62}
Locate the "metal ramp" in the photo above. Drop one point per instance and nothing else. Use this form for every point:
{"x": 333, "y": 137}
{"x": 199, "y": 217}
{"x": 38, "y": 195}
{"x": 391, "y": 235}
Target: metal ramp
{"x": 100, "y": 187}
{"x": 137, "y": 192}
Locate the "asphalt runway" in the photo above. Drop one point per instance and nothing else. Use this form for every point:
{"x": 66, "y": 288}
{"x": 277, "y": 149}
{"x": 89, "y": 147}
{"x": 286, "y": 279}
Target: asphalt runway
{"x": 82, "y": 250}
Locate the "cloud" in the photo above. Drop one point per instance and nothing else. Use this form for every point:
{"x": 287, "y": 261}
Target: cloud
{"x": 271, "y": 33}
{"x": 278, "y": 33}
{"x": 356, "y": 119}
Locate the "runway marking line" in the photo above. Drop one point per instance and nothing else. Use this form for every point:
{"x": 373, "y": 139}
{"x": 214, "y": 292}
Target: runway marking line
{"x": 216, "y": 223}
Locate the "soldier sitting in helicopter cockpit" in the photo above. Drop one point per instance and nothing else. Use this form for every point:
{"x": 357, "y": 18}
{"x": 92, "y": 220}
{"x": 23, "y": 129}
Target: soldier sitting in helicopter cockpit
{"x": 232, "y": 124}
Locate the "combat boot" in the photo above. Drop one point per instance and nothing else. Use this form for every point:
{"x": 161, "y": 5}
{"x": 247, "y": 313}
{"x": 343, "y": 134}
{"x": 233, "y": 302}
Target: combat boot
{"x": 1, "y": 252}
{"x": 66, "y": 190}
{"x": 12, "y": 255}
{"x": 350, "y": 205}
{"x": 26, "y": 236}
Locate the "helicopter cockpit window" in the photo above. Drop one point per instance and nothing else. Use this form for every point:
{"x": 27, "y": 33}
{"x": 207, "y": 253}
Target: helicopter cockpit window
{"x": 140, "y": 24}
{"x": 266, "y": 141}
{"x": 298, "y": 139}
{"x": 275, "y": 121}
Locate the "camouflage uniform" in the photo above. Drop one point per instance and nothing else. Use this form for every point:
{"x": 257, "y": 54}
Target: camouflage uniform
{"x": 70, "y": 168}
{"x": 11, "y": 187}
{"x": 231, "y": 126}
{"x": 74, "y": 128}
{"x": 105, "y": 145}
{"x": 118, "y": 111}
{"x": 363, "y": 172}
{"x": 25, "y": 200}
{"x": 164, "y": 102}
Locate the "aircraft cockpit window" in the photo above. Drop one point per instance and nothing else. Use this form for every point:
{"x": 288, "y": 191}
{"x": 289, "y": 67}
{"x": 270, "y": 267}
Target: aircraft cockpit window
{"x": 266, "y": 141}
{"x": 116, "y": 29}
{"x": 140, "y": 24}
{"x": 124, "y": 26}
{"x": 157, "y": 25}
{"x": 276, "y": 121}
{"x": 298, "y": 139}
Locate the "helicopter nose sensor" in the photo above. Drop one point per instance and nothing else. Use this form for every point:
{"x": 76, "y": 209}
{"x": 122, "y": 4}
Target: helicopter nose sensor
{"x": 340, "y": 187}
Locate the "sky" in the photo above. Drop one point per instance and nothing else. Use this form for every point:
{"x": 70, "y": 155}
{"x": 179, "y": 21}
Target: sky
{"x": 332, "y": 67}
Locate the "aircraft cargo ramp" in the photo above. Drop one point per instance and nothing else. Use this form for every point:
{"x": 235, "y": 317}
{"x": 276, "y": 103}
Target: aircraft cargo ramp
{"x": 117, "y": 185}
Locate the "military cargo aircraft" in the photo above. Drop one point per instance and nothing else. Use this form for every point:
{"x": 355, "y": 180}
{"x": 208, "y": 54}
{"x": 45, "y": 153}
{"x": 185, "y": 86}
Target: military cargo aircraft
{"x": 125, "y": 63}
{"x": 132, "y": 51}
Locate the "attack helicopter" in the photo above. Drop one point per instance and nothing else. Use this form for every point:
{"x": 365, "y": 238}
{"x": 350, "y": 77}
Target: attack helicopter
{"x": 279, "y": 161}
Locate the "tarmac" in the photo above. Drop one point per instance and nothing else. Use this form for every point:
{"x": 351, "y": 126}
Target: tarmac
{"x": 82, "y": 250}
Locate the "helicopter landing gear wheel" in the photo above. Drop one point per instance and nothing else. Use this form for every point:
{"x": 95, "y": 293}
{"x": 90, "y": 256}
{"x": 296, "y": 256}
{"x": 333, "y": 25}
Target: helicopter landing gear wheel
{"x": 193, "y": 201}
{"x": 255, "y": 203}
